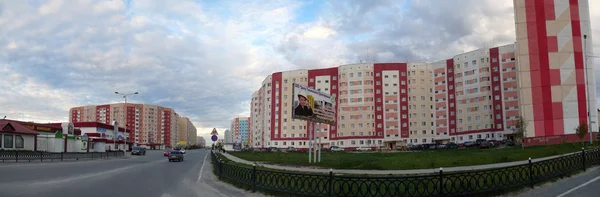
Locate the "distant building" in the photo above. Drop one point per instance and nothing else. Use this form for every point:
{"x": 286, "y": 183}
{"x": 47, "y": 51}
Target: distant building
{"x": 201, "y": 141}
{"x": 240, "y": 129}
{"x": 187, "y": 131}
{"x": 153, "y": 126}
{"x": 228, "y": 136}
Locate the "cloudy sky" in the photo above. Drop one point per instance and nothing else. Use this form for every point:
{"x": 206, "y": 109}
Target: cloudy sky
{"x": 205, "y": 58}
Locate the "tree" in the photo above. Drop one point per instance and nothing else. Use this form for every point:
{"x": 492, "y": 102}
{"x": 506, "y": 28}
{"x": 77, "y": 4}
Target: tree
{"x": 581, "y": 130}
{"x": 519, "y": 130}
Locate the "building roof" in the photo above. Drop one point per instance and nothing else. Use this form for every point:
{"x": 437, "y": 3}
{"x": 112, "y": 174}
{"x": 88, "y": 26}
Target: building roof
{"x": 10, "y": 126}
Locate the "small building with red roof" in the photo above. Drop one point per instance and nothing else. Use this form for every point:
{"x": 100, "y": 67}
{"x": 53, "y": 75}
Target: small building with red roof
{"x": 15, "y": 136}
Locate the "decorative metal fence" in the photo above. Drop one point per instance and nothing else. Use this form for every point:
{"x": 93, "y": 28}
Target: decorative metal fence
{"x": 19, "y": 156}
{"x": 438, "y": 184}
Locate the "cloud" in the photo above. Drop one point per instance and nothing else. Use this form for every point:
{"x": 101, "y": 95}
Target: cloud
{"x": 204, "y": 59}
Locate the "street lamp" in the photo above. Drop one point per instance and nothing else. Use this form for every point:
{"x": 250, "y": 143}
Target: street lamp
{"x": 587, "y": 92}
{"x": 125, "y": 97}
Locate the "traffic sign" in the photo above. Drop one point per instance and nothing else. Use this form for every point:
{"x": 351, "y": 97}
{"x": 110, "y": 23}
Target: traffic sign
{"x": 214, "y": 138}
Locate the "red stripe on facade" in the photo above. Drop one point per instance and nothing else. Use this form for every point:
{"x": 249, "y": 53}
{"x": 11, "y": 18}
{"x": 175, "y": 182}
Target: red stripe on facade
{"x": 539, "y": 68}
{"x": 331, "y": 73}
{"x": 450, "y": 82}
{"x": 578, "y": 57}
{"x": 378, "y": 97}
{"x": 496, "y": 89}
{"x": 274, "y": 78}
{"x": 404, "y": 127}
{"x": 279, "y": 82}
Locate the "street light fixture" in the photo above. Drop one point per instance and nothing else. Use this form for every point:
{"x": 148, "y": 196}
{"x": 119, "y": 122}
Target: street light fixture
{"x": 587, "y": 91}
{"x": 125, "y": 97}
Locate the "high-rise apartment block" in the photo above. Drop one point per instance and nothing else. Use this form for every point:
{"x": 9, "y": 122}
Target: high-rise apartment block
{"x": 153, "y": 126}
{"x": 474, "y": 95}
{"x": 228, "y": 136}
{"x": 187, "y": 132}
{"x": 240, "y": 130}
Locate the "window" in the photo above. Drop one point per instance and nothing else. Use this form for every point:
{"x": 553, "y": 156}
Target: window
{"x": 8, "y": 141}
{"x": 19, "y": 142}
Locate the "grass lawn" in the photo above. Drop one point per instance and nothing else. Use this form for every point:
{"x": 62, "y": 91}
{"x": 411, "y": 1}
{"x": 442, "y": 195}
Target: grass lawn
{"x": 412, "y": 160}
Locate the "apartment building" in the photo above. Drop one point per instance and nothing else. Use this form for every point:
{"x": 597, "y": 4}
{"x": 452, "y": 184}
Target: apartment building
{"x": 240, "y": 130}
{"x": 154, "y": 126}
{"x": 228, "y": 136}
{"x": 187, "y": 132}
{"x": 474, "y": 95}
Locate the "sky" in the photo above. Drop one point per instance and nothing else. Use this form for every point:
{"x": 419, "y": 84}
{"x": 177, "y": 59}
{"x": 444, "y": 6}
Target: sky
{"x": 205, "y": 58}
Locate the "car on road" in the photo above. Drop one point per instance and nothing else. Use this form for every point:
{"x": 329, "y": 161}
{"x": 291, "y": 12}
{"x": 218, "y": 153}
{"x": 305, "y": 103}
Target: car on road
{"x": 175, "y": 155}
{"x": 138, "y": 151}
{"x": 182, "y": 151}
{"x": 167, "y": 152}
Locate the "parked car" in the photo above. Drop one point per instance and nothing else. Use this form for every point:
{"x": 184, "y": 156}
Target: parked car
{"x": 486, "y": 144}
{"x": 175, "y": 155}
{"x": 479, "y": 141}
{"x": 469, "y": 144}
{"x": 510, "y": 143}
{"x": 363, "y": 149}
{"x": 291, "y": 149}
{"x": 441, "y": 146}
{"x": 336, "y": 149}
{"x": 272, "y": 149}
{"x": 138, "y": 151}
{"x": 451, "y": 145}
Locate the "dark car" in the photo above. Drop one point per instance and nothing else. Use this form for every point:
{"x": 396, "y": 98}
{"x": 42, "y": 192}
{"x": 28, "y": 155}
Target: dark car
{"x": 138, "y": 151}
{"x": 486, "y": 144}
{"x": 175, "y": 155}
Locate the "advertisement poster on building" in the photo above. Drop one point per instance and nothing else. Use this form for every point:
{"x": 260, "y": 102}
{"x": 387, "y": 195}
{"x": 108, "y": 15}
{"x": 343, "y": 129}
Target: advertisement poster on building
{"x": 310, "y": 104}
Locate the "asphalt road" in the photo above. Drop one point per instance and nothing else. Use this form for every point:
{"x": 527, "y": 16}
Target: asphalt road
{"x": 144, "y": 176}
{"x": 586, "y": 184}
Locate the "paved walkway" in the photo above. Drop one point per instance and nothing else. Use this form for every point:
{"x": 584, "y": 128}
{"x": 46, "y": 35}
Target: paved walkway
{"x": 416, "y": 171}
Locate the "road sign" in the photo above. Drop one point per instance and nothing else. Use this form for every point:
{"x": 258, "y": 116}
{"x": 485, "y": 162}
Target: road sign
{"x": 214, "y": 132}
{"x": 214, "y": 138}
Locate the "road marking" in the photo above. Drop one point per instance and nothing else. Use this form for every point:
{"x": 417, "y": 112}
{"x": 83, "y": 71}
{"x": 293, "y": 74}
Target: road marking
{"x": 201, "y": 168}
{"x": 580, "y": 186}
{"x": 90, "y": 175}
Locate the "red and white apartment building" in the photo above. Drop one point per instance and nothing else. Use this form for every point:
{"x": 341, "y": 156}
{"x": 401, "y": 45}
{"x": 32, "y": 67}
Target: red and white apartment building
{"x": 152, "y": 126}
{"x": 474, "y": 95}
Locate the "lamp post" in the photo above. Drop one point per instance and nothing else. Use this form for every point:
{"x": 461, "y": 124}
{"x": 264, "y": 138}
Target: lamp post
{"x": 587, "y": 92}
{"x": 125, "y": 97}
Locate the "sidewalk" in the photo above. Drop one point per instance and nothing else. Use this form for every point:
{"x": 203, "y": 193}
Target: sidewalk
{"x": 416, "y": 171}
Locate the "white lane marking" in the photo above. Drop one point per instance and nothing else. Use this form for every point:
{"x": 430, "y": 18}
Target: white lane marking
{"x": 202, "y": 168}
{"x": 86, "y": 176}
{"x": 580, "y": 186}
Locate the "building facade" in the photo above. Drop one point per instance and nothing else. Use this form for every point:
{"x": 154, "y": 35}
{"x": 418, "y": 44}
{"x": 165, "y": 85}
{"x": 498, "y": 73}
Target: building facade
{"x": 152, "y": 126}
{"x": 187, "y": 132}
{"x": 474, "y": 95}
{"x": 228, "y": 136}
{"x": 201, "y": 141}
{"x": 554, "y": 80}
{"x": 240, "y": 131}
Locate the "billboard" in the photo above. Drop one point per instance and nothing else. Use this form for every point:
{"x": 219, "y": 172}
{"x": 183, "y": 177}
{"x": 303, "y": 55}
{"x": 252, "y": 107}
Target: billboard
{"x": 310, "y": 104}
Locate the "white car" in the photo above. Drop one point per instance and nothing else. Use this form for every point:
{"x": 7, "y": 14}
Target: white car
{"x": 336, "y": 149}
{"x": 363, "y": 149}
{"x": 182, "y": 151}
